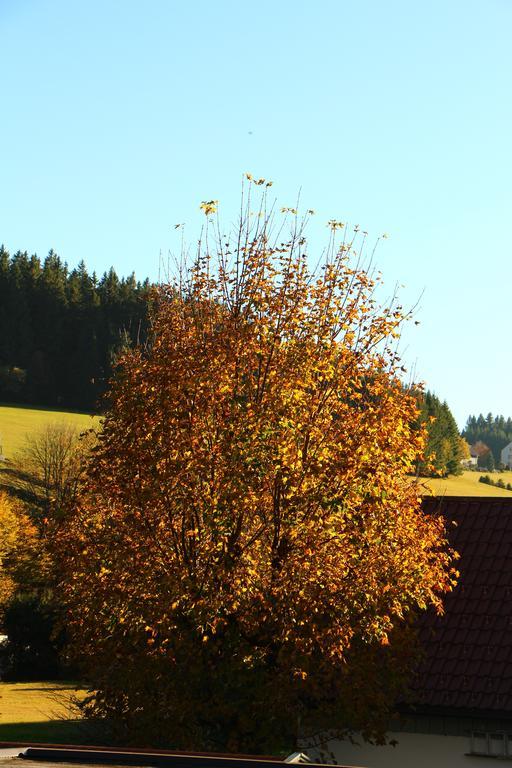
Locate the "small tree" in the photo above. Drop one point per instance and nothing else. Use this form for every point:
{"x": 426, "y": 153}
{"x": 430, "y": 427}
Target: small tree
{"x": 482, "y": 452}
{"x": 248, "y": 542}
{"x": 50, "y": 465}
{"x": 464, "y": 450}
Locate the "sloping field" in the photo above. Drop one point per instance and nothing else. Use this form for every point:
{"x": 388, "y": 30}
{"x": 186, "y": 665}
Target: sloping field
{"x": 467, "y": 485}
{"x": 17, "y": 421}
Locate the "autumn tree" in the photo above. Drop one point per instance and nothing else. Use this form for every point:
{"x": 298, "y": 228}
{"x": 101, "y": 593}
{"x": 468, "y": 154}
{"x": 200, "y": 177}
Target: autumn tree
{"x": 26, "y": 611}
{"x": 464, "y": 450}
{"x": 19, "y": 550}
{"x": 246, "y": 547}
{"x": 46, "y": 474}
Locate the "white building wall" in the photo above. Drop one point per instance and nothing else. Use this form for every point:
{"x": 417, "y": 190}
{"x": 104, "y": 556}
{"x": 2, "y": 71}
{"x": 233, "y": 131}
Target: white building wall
{"x": 414, "y": 750}
{"x": 506, "y": 456}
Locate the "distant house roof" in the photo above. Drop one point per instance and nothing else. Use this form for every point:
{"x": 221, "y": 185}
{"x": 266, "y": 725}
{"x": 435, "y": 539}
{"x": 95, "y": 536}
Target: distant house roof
{"x": 468, "y": 651}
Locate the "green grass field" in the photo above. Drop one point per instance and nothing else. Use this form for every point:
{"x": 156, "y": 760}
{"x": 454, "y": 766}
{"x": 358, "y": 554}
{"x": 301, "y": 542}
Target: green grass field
{"x": 467, "y": 485}
{"x": 41, "y": 712}
{"x": 17, "y": 421}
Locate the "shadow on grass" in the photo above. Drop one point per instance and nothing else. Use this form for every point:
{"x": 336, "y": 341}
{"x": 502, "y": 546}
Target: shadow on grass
{"x": 49, "y": 732}
{"x": 15, "y": 483}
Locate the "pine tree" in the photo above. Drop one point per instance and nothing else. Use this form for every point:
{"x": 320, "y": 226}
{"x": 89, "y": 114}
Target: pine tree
{"x": 443, "y": 452}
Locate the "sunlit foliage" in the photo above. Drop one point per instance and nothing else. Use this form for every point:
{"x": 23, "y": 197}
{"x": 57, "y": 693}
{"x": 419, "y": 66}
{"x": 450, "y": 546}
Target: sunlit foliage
{"x": 247, "y": 543}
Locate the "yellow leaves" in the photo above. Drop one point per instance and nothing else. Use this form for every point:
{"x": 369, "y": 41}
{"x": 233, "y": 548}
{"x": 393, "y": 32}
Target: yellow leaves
{"x": 209, "y": 207}
{"x": 21, "y": 555}
{"x": 252, "y": 480}
{"x": 258, "y": 182}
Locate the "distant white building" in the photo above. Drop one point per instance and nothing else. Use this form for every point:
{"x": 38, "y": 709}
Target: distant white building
{"x": 506, "y": 456}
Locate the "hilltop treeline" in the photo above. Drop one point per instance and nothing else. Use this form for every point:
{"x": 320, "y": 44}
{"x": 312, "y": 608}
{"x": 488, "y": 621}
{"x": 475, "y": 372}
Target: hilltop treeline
{"x": 494, "y": 431}
{"x": 61, "y": 329}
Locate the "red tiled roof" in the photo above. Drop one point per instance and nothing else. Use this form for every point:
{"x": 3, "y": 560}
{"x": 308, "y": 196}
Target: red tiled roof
{"x": 468, "y": 650}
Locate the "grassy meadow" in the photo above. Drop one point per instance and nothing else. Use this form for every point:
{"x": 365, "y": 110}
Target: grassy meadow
{"x": 16, "y": 422}
{"x": 467, "y": 484}
{"x": 41, "y": 712}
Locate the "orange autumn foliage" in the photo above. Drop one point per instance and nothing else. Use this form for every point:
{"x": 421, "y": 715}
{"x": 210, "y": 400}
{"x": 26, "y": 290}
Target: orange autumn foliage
{"x": 19, "y": 549}
{"x": 246, "y": 536}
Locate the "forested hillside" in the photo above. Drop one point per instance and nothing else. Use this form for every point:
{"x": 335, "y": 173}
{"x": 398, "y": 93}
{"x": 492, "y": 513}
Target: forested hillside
{"x": 62, "y": 329}
{"x": 494, "y": 431}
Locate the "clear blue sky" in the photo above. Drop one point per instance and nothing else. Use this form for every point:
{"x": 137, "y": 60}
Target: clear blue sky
{"x": 119, "y": 117}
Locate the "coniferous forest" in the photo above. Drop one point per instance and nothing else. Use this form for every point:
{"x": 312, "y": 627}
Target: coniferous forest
{"x": 62, "y": 329}
{"x": 443, "y": 450}
{"x": 494, "y": 431}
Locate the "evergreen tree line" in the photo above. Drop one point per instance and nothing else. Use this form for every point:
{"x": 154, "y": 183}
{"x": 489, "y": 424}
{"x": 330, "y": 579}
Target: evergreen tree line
{"x": 445, "y": 447}
{"x": 62, "y": 329}
{"x": 494, "y": 431}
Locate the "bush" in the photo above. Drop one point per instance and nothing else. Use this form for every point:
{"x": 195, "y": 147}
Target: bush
{"x": 12, "y": 383}
{"x": 32, "y": 650}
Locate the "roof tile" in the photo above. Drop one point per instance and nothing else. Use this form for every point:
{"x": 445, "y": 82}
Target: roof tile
{"x": 468, "y": 650}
